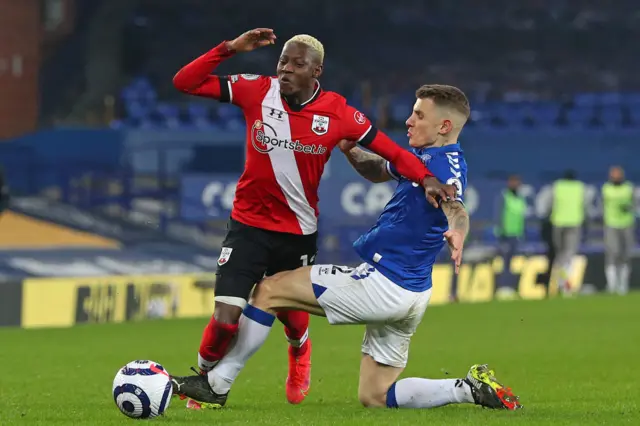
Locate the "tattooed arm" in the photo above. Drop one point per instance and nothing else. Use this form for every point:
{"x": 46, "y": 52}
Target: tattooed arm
{"x": 457, "y": 217}
{"x": 370, "y": 166}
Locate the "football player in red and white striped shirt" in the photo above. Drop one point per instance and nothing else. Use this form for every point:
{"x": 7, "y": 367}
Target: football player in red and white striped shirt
{"x": 292, "y": 127}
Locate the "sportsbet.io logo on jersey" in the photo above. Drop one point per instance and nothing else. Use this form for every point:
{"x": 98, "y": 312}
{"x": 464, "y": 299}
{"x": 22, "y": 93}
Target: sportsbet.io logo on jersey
{"x": 265, "y": 139}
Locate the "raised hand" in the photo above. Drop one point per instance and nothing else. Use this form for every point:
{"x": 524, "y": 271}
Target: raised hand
{"x": 455, "y": 239}
{"x": 252, "y": 40}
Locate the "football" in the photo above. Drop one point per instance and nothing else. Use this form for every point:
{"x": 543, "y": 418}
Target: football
{"x": 142, "y": 389}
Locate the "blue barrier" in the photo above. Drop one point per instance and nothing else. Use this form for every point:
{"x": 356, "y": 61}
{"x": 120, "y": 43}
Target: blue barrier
{"x": 535, "y": 153}
{"x": 57, "y": 157}
{"x": 346, "y": 197}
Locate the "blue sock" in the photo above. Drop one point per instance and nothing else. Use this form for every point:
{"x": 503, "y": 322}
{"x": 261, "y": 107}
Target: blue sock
{"x": 391, "y": 397}
{"x": 258, "y": 315}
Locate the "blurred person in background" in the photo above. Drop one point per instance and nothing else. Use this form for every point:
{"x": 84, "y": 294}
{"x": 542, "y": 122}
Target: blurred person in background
{"x": 4, "y": 193}
{"x": 619, "y": 228}
{"x": 511, "y": 210}
{"x": 546, "y": 235}
{"x": 567, "y": 219}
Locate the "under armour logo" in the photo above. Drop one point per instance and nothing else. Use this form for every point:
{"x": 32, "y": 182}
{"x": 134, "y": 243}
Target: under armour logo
{"x": 273, "y": 113}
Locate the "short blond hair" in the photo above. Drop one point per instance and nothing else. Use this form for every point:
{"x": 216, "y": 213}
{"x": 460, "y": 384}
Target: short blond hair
{"x": 311, "y": 42}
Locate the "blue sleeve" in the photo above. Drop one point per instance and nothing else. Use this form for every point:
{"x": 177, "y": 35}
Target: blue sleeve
{"x": 447, "y": 167}
{"x": 450, "y": 168}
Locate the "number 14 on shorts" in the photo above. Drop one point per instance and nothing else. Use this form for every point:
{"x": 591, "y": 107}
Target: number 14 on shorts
{"x": 305, "y": 259}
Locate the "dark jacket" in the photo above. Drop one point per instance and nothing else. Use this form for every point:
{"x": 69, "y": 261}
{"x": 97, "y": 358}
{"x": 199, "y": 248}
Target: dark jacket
{"x": 4, "y": 194}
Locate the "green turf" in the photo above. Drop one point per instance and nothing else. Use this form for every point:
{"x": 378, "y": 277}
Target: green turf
{"x": 573, "y": 362}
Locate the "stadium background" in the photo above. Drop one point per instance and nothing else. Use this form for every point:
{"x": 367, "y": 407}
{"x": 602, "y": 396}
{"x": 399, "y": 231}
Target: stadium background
{"x": 120, "y": 187}
{"x": 115, "y": 189}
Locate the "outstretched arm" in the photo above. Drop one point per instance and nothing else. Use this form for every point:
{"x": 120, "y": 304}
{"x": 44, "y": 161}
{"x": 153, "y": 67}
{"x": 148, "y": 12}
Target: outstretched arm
{"x": 370, "y": 166}
{"x": 406, "y": 164}
{"x": 457, "y": 216}
{"x": 458, "y": 219}
{"x": 195, "y": 78}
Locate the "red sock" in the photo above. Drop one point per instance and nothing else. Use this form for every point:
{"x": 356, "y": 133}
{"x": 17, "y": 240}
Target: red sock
{"x": 296, "y": 325}
{"x": 216, "y": 339}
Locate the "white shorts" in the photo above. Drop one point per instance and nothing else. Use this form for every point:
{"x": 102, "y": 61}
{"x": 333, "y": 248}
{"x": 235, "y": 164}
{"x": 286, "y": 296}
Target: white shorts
{"x": 363, "y": 295}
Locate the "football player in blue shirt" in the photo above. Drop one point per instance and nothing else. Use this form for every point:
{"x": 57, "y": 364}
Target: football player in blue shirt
{"x": 390, "y": 291}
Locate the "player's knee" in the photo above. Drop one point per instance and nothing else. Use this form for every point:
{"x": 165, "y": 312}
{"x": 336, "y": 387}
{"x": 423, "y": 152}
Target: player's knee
{"x": 264, "y": 293}
{"x": 371, "y": 394}
{"x": 227, "y": 313}
{"x": 372, "y": 398}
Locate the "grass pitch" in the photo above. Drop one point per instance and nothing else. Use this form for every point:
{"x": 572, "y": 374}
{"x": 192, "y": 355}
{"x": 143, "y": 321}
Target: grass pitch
{"x": 573, "y": 362}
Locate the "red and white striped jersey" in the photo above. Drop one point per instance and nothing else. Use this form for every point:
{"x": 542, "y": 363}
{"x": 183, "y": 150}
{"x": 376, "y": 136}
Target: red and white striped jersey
{"x": 287, "y": 146}
{"x": 287, "y": 149}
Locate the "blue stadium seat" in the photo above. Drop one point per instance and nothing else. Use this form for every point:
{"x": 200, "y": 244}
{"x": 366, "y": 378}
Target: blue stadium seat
{"x": 545, "y": 113}
{"x": 168, "y": 115}
{"x": 199, "y": 116}
{"x": 605, "y": 112}
{"x": 479, "y": 117}
{"x": 580, "y": 116}
{"x": 400, "y": 105}
{"x": 137, "y": 109}
{"x": 354, "y": 98}
{"x": 167, "y": 110}
{"x": 611, "y": 99}
{"x": 585, "y": 100}
{"x": 611, "y": 116}
{"x": 129, "y": 94}
{"x": 635, "y": 115}
{"x": 510, "y": 113}
{"x": 148, "y": 123}
{"x": 205, "y": 123}
{"x": 117, "y": 124}
{"x": 228, "y": 112}
{"x": 198, "y": 110}
{"x": 139, "y": 89}
{"x": 400, "y": 111}
{"x": 631, "y": 99}
{"x": 234, "y": 124}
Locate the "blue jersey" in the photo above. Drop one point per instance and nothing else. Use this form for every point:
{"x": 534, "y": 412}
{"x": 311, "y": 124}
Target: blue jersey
{"x": 408, "y": 236}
